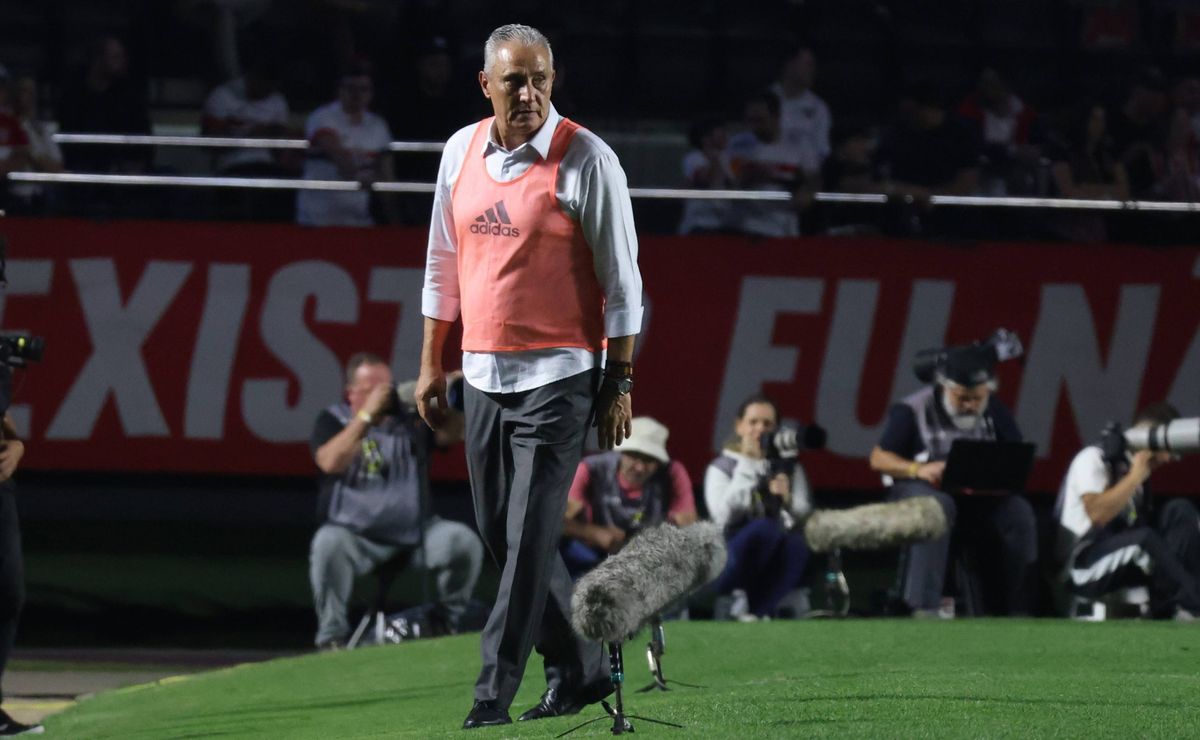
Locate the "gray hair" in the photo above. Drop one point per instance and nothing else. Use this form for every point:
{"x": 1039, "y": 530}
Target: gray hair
{"x": 514, "y": 32}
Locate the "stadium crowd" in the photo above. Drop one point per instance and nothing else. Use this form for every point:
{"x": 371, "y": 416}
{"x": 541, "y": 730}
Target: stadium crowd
{"x": 964, "y": 126}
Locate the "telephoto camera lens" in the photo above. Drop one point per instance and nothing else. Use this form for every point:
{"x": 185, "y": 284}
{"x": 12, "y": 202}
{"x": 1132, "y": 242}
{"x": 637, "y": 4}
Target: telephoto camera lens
{"x": 1180, "y": 436}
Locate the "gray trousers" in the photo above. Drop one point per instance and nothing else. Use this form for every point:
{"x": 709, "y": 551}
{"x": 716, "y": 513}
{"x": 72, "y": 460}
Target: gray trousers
{"x": 450, "y": 551}
{"x": 1003, "y": 524}
{"x": 522, "y": 452}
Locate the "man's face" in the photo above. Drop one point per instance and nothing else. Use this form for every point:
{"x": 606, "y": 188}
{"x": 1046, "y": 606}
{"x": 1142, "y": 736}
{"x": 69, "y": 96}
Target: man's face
{"x": 434, "y": 70}
{"x": 760, "y": 121}
{"x": 26, "y": 103}
{"x": 635, "y": 468}
{"x": 930, "y": 116}
{"x": 963, "y": 401}
{"x": 355, "y": 93}
{"x": 801, "y": 69}
{"x": 114, "y": 59}
{"x": 366, "y": 378}
{"x": 519, "y": 84}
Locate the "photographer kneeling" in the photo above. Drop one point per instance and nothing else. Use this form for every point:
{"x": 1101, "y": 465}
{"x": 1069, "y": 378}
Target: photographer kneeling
{"x": 372, "y": 452}
{"x": 1108, "y": 538}
{"x": 762, "y": 508}
{"x": 619, "y": 492}
{"x": 957, "y": 404}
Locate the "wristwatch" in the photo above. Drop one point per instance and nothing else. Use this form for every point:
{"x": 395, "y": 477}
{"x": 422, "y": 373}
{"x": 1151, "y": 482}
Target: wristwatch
{"x": 622, "y": 385}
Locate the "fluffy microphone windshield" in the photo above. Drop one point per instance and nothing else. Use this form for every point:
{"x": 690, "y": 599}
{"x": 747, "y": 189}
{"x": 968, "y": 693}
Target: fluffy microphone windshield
{"x": 876, "y": 526}
{"x": 658, "y": 566}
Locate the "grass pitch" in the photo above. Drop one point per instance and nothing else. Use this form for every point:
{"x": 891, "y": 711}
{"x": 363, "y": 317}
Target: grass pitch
{"x": 863, "y": 678}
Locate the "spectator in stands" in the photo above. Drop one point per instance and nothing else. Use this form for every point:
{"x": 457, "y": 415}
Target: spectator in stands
{"x": 1137, "y": 126}
{"x": 371, "y": 449}
{"x": 911, "y": 456}
{"x": 804, "y": 117}
{"x": 760, "y": 159}
{"x": 1009, "y": 130}
{"x": 250, "y": 106}
{"x": 105, "y": 99}
{"x": 706, "y": 167}
{"x": 1177, "y": 167}
{"x": 762, "y": 509}
{"x": 428, "y": 107}
{"x": 930, "y": 151}
{"x": 1087, "y": 167}
{"x": 1109, "y": 537}
{"x": 14, "y": 142}
{"x": 1186, "y": 96}
{"x": 43, "y": 155}
{"x": 619, "y": 492}
{"x": 850, "y": 169}
{"x": 347, "y": 142}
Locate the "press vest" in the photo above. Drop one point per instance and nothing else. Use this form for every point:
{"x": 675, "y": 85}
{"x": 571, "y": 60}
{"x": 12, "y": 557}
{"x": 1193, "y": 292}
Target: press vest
{"x": 937, "y": 431}
{"x": 380, "y": 495}
{"x": 611, "y": 506}
{"x": 527, "y": 279}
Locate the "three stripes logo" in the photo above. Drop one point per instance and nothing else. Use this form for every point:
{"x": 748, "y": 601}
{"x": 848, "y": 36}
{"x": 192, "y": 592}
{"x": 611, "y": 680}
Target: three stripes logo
{"x": 495, "y": 221}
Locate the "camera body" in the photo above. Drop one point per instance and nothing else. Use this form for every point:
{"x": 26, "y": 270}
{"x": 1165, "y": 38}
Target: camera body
{"x": 1002, "y": 345}
{"x": 781, "y": 448}
{"x": 19, "y": 348}
{"x": 788, "y": 441}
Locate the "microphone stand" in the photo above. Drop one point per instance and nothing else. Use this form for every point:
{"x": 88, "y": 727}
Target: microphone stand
{"x": 621, "y": 723}
{"x": 654, "y": 652}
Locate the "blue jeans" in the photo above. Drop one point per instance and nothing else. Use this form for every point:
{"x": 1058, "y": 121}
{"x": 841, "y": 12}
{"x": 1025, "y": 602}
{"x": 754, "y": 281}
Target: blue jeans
{"x": 579, "y": 558}
{"x": 765, "y": 560}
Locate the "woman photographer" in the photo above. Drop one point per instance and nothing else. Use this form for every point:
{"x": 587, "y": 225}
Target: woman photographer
{"x": 762, "y": 505}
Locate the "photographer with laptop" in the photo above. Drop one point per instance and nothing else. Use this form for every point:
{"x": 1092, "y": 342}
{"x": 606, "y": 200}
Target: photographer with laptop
{"x": 958, "y": 403}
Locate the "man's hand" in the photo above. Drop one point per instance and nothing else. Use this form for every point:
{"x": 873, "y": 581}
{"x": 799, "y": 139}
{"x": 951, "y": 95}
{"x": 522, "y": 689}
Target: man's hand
{"x": 781, "y": 486}
{"x": 608, "y": 539}
{"x": 431, "y": 397}
{"x": 378, "y": 401}
{"x": 1146, "y": 462}
{"x": 931, "y": 472}
{"x": 11, "y": 452}
{"x": 614, "y": 416}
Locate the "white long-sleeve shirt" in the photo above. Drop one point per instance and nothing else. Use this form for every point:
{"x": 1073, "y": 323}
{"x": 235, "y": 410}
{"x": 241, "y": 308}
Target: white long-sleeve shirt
{"x": 592, "y": 190}
{"x": 730, "y": 498}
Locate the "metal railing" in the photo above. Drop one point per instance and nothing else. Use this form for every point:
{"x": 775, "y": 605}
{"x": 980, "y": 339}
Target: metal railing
{"x": 71, "y": 178}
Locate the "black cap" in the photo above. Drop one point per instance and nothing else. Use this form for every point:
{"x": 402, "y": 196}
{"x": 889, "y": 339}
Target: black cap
{"x": 970, "y": 365}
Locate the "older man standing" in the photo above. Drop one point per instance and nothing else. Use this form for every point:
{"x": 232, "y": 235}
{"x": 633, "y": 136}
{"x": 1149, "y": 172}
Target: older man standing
{"x": 532, "y": 240}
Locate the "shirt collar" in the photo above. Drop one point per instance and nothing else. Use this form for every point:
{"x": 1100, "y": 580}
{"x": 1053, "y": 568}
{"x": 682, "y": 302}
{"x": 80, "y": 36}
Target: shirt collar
{"x": 540, "y": 141}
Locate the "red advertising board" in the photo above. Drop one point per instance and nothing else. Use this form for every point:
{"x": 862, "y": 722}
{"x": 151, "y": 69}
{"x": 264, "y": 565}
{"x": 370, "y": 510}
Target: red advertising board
{"x": 210, "y": 348}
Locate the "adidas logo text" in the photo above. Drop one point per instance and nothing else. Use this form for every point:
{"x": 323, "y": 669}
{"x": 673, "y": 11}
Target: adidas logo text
{"x": 495, "y": 221}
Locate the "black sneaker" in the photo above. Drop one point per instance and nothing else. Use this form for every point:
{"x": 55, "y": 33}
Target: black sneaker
{"x": 9, "y": 726}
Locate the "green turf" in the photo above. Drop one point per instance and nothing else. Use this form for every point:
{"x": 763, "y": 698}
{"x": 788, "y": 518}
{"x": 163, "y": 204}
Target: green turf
{"x": 866, "y": 678}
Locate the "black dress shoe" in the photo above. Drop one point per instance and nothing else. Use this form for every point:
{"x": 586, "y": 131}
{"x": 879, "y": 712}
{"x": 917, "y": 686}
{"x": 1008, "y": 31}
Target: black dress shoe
{"x": 556, "y": 703}
{"x": 486, "y": 714}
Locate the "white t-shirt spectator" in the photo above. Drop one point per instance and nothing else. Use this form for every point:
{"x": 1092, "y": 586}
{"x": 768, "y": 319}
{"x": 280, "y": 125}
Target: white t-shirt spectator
{"x": 229, "y": 103}
{"x": 704, "y": 215}
{"x": 367, "y": 140}
{"x": 763, "y": 218}
{"x": 806, "y": 122}
{"x": 42, "y": 147}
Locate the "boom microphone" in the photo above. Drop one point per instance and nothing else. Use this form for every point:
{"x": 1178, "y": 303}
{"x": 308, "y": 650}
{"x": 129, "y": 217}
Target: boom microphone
{"x": 876, "y": 526}
{"x": 658, "y": 566}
